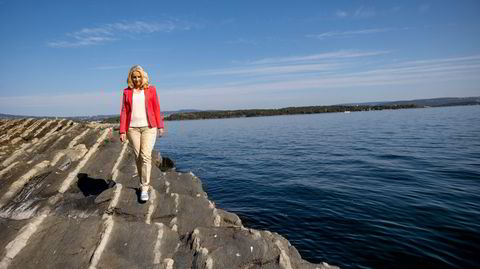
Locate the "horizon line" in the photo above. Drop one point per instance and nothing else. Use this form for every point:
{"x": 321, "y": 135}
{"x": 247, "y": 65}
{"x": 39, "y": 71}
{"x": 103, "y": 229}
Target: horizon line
{"x": 205, "y": 110}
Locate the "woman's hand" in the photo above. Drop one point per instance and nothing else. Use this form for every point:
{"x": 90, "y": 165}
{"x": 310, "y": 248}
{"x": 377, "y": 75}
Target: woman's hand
{"x": 161, "y": 131}
{"x": 123, "y": 137}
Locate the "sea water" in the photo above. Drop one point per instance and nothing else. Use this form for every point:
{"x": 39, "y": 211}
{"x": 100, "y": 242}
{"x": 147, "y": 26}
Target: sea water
{"x": 378, "y": 189}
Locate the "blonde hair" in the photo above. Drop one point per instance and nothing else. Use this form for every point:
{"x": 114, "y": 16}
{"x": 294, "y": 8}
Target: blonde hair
{"x": 142, "y": 72}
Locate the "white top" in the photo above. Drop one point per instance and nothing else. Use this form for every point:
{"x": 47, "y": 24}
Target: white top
{"x": 139, "y": 113}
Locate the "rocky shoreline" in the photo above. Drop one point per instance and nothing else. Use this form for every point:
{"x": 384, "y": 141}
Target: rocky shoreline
{"x": 68, "y": 199}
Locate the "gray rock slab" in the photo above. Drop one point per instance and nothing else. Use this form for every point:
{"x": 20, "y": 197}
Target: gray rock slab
{"x": 229, "y": 219}
{"x": 60, "y": 141}
{"x": 34, "y": 130}
{"x": 129, "y": 208}
{"x": 166, "y": 243}
{"x": 90, "y": 138}
{"x": 27, "y": 201}
{"x": 184, "y": 183}
{"x": 76, "y": 205}
{"x": 165, "y": 210}
{"x": 127, "y": 174}
{"x": 60, "y": 242}
{"x": 7, "y": 183}
{"x": 100, "y": 165}
{"x": 8, "y": 231}
{"x": 193, "y": 212}
{"x": 131, "y": 245}
{"x": 234, "y": 247}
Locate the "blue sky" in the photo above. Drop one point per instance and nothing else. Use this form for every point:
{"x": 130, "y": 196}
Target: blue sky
{"x": 66, "y": 58}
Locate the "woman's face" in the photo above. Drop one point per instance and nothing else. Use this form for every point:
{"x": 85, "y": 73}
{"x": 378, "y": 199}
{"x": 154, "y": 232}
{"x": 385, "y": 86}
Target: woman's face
{"x": 136, "y": 79}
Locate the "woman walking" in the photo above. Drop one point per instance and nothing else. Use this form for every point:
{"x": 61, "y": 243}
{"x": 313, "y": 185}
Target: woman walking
{"x": 139, "y": 120}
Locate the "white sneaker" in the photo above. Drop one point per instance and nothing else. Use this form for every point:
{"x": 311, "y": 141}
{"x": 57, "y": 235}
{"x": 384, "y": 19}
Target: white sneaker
{"x": 144, "y": 196}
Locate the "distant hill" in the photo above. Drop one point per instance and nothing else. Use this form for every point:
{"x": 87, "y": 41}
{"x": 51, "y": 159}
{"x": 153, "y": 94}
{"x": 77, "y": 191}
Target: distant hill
{"x": 182, "y": 111}
{"x": 418, "y": 103}
{"x": 106, "y": 117}
{"x": 432, "y": 102}
{"x": 9, "y": 116}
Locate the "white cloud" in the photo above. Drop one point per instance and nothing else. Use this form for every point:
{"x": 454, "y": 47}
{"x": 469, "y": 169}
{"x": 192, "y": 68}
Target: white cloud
{"x": 320, "y": 56}
{"x": 110, "y": 67}
{"x": 396, "y": 9}
{"x": 228, "y": 21}
{"x": 341, "y": 14}
{"x": 140, "y": 27}
{"x": 428, "y": 72}
{"x": 80, "y": 42}
{"x": 115, "y": 31}
{"x": 292, "y": 66}
{"x": 242, "y": 41}
{"x": 424, "y": 8}
{"x": 269, "y": 70}
{"x": 269, "y": 79}
{"x": 364, "y": 12}
{"x": 451, "y": 60}
{"x": 351, "y": 33}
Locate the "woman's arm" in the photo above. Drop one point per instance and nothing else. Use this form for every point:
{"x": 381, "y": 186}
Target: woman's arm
{"x": 156, "y": 110}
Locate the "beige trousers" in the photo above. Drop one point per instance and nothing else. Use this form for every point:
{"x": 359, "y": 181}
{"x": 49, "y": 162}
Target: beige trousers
{"x": 142, "y": 140}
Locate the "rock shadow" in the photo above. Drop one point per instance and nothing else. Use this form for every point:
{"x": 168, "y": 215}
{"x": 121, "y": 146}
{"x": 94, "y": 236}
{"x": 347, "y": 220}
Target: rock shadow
{"x": 92, "y": 186}
{"x": 166, "y": 164}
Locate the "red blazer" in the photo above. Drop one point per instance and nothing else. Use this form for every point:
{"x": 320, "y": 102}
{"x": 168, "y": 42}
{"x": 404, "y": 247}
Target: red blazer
{"x": 151, "y": 104}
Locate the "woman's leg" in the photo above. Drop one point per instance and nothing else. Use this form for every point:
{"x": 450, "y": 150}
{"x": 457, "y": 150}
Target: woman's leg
{"x": 134, "y": 138}
{"x": 146, "y": 148}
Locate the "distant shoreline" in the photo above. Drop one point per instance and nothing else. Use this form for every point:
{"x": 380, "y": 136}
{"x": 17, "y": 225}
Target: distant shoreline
{"x": 249, "y": 113}
{"x": 246, "y": 113}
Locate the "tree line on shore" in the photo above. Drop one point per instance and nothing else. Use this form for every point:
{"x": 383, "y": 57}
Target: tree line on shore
{"x": 220, "y": 114}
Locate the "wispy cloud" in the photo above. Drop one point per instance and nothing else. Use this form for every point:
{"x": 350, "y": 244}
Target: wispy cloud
{"x": 115, "y": 31}
{"x": 451, "y": 60}
{"x": 354, "y": 75}
{"x": 319, "y": 56}
{"x": 339, "y": 34}
{"x": 80, "y": 41}
{"x": 242, "y": 41}
{"x": 301, "y": 77}
{"x": 269, "y": 70}
{"x": 299, "y": 65}
{"x": 341, "y": 13}
{"x": 110, "y": 67}
{"x": 364, "y": 12}
{"x": 228, "y": 21}
{"x": 359, "y": 13}
{"x": 424, "y": 8}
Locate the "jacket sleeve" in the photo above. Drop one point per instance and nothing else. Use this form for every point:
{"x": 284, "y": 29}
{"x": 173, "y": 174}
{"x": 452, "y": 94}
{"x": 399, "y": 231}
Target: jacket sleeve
{"x": 123, "y": 116}
{"x": 156, "y": 109}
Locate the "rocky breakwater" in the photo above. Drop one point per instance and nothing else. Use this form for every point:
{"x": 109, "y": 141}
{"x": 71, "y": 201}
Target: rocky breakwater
{"x": 68, "y": 199}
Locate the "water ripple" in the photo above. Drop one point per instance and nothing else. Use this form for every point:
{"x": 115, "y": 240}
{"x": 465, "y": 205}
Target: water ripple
{"x": 384, "y": 189}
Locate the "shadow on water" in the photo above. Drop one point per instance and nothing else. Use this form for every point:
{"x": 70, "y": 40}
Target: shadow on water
{"x": 92, "y": 186}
